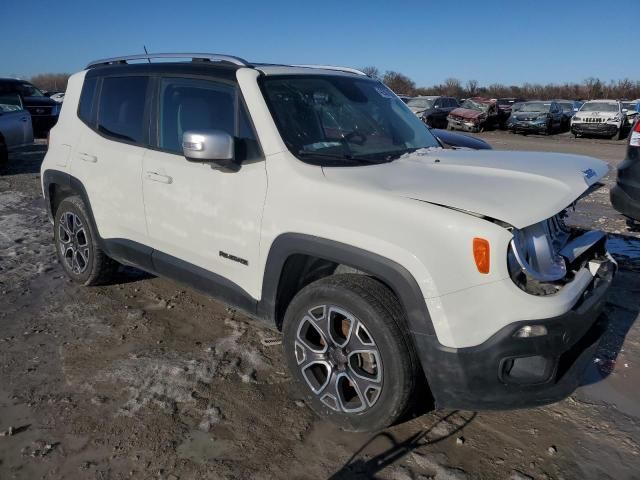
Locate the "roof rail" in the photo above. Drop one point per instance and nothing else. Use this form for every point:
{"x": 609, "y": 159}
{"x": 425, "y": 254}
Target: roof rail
{"x": 206, "y": 57}
{"x": 333, "y": 67}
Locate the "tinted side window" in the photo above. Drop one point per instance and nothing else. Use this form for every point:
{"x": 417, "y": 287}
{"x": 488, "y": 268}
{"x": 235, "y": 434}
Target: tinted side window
{"x": 121, "y": 108}
{"x": 192, "y": 104}
{"x": 85, "y": 107}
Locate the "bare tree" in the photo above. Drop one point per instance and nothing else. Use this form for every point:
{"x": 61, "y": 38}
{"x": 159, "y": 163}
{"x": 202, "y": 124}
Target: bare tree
{"x": 472, "y": 88}
{"x": 399, "y": 83}
{"x": 452, "y": 87}
{"x": 373, "y": 72}
{"x": 53, "y": 82}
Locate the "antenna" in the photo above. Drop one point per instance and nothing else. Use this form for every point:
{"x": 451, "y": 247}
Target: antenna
{"x": 145, "y": 51}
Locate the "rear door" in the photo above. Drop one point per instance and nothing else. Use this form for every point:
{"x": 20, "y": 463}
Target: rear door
{"x": 108, "y": 156}
{"x": 201, "y": 220}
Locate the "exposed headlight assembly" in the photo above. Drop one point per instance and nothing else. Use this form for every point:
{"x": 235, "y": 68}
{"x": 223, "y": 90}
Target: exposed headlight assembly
{"x": 533, "y": 259}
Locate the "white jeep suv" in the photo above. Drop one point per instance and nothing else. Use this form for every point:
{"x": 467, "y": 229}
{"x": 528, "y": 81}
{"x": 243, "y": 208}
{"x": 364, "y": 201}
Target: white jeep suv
{"x": 314, "y": 199}
{"x": 600, "y": 117}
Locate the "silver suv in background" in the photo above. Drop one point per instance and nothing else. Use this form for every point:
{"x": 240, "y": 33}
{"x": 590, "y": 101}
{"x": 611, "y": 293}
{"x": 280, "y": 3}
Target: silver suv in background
{"x": 15, "y": 125}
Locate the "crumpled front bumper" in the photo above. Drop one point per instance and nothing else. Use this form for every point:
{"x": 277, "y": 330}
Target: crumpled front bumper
{"x": 607, "y": 129}
{"x": 461, "y": 124}
{"x": 509, "y": 371}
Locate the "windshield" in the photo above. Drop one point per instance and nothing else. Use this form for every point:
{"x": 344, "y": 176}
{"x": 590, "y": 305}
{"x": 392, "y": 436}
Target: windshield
{"x": 473, "y": 105}
{"x": 535, "y": 107}
{"x": 343, "y": 119}
{"x": 28, "y": 90}
{"x": 599, "y": 107}
{"x": 567, "y": 107}
{"x": 629, "y": 105}
{"x": 420, "y": 103}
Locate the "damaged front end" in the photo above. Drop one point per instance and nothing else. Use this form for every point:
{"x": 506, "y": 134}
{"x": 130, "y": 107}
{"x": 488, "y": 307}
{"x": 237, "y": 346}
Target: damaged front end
{"x": 544, "y": 257}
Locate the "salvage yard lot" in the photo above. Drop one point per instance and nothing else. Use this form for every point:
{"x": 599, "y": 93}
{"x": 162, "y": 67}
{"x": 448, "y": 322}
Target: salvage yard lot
{"x": 146, "y": 379}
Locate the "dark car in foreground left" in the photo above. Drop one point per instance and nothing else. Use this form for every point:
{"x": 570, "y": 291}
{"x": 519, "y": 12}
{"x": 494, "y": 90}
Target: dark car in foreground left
{"x": 459, "y": 140}
{"x": 625, "y": 195}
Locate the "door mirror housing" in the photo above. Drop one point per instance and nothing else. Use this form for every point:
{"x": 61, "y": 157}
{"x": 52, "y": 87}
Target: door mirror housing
{"x": 210, "y": 146}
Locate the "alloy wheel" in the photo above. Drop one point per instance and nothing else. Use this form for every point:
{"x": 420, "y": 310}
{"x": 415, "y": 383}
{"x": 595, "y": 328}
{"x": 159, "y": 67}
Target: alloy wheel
{"x": 339, "y": 359}
{"x": 73, "y": 242}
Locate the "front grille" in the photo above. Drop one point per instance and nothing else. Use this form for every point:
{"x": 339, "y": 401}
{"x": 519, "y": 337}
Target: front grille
{"x": 593, "y": 120}
{"x": 558, "y": 232}
{"x": 39, "y": 111}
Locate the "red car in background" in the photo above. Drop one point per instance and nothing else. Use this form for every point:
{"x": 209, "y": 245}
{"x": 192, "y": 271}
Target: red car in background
{"x": 476, "y": 115}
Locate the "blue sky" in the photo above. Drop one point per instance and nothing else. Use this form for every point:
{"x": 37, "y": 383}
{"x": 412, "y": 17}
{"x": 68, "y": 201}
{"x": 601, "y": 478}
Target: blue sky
{"x": 510, "y": 42}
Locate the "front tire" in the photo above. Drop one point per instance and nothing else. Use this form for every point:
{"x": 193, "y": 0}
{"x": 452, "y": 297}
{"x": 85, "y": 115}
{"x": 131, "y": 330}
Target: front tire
{"x": 76, "y": 245}
{"x": 348, "y": 347}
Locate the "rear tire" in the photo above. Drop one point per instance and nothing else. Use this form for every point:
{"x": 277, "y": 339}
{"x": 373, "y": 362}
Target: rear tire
{"x": 348, "y": 347}
{"x": 76, "y": 245}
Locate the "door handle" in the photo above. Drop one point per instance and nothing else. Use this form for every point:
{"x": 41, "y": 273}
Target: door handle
{"x": 156, "y": 177}
{"x": 87, "y": 158}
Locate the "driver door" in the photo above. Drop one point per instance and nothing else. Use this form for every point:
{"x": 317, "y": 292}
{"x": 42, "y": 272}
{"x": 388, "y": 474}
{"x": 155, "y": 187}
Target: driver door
{"x": 203, "y": 223}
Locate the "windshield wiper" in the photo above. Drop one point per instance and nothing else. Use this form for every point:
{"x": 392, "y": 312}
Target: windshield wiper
{"x": 336, "y": 156}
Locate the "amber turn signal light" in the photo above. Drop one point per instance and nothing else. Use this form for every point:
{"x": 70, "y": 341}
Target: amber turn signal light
{"x": 482, "y": 254}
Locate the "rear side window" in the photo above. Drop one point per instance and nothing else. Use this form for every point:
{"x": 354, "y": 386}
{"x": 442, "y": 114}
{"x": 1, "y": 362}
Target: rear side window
{"x": 121, "y": 108}
{"x": 85, "y": 107}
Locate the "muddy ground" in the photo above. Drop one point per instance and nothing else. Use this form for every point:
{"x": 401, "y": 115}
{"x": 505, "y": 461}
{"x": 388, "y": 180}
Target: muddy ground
{"x": 146, "y": 379}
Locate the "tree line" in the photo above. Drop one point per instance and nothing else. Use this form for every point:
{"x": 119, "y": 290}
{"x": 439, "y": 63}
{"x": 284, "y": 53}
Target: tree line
{"x": 590, "y": 88}
{"x": 52, "y": 82}
{"x": 452, "y": 87}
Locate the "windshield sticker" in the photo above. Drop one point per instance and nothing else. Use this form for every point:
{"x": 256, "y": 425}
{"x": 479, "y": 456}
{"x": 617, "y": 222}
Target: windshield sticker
{"x": 384, "y": 92}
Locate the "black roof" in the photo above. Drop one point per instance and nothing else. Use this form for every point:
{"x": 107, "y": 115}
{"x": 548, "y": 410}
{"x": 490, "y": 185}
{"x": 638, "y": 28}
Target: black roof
{"x": 219, "y": 69}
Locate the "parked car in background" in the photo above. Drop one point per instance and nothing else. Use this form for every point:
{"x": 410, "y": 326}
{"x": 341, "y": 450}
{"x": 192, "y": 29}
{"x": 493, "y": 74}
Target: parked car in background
{"x": 58, "y": 97}
{"x": 601, "y": 118}
{"x": 433, "y": 110}
{"x": 577, "y": 104}
{"x": 15, "y": 125}
{"x": 404, "y": 98}
{"x": 625, "y": 195}
{"x": 537, "y": 117}
{"x": 567, "y": 112}
{"x": 475, "y": 115}
{"x": 631, "y": 110}
{"x": 506, "y": 104}
{"x": 459, "y": 140}
{"x": 44, "y": 111}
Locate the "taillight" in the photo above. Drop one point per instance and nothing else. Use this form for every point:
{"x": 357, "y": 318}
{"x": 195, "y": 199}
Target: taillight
{"x": 482, "y": 254}
{"x": 636, "y": 127}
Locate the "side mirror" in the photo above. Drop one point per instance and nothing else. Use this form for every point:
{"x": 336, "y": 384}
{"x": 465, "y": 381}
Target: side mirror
{"x": 210, "y": 146}
{"x": 625, "y": 110}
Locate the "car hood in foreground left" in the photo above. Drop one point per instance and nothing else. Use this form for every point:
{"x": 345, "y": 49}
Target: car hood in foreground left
{"x": 520, "y": 188}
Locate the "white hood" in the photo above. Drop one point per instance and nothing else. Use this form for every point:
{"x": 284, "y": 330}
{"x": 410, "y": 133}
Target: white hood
{"x": 520, "y": 188}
